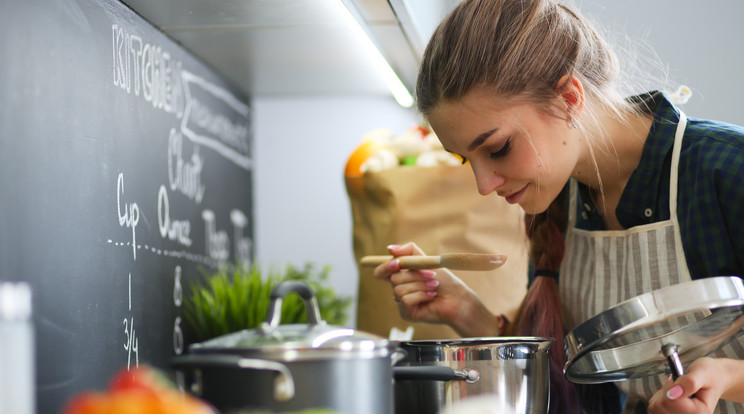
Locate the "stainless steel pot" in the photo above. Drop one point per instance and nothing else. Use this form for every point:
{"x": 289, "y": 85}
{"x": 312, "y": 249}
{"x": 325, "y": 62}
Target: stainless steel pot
{"x": 293, "y": 367}
{"x": 513, "y": 369}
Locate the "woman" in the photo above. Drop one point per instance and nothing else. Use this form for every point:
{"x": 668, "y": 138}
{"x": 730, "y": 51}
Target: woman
{"x": 526, "y": 91}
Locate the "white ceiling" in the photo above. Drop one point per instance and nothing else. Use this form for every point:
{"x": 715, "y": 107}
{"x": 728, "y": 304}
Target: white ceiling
{"x": 297, "y": 47}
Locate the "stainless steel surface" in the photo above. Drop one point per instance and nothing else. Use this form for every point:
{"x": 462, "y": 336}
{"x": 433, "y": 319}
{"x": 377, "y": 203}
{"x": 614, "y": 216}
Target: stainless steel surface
{"x": 516, "y": 369}
{"x": 627, "y": 341}
{"x": 283, "y": 389}
{"x": 672, "y": 356}
{"x": 359, "y": 386}
{"x": 323, "y": 366}
{"x": 435, "y": 373}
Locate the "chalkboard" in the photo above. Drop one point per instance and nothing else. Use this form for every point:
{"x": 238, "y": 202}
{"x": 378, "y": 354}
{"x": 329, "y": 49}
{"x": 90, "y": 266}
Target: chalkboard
{"x": 125, "y": 169}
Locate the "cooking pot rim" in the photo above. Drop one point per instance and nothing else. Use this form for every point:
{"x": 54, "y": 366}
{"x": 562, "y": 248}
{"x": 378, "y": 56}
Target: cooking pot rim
{"x": 290, "y": 353}
{"x": 495, "y": 340}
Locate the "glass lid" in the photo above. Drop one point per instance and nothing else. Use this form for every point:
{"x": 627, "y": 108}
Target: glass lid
{"x": 291, "y": 339}
{"x": 294, "y": 336}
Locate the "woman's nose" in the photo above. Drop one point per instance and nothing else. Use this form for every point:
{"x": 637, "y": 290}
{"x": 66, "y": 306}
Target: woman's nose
{"x": 487, "y": 179}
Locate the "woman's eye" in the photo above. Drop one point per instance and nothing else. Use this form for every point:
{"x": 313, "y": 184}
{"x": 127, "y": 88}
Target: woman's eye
{"x": 503, "y": 151}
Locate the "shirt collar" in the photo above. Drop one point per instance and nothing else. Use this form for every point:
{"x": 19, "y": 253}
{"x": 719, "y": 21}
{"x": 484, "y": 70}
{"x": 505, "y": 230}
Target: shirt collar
{"x": 645, "y": 198}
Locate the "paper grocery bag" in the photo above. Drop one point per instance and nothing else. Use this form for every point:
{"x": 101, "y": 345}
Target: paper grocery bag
{"x": 440, "y": 209}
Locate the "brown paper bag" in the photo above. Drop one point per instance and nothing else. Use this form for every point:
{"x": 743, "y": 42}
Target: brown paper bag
{"x": 440, "y": 209}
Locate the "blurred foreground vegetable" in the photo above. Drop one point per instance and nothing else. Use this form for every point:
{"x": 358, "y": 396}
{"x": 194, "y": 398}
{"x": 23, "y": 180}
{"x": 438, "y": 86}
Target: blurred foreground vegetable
{"x": 141, "y": 390}
{"x": 225, "y": 303}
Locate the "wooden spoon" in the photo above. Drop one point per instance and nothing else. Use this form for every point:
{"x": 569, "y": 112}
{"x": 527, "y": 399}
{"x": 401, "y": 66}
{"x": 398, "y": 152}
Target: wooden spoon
{"x": 455, "y": 261}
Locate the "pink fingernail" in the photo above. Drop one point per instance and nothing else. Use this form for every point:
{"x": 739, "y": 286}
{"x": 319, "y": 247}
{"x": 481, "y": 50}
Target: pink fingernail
{"x": 432, "y": 283}
{"x": 427, "y": 274}
{"x": 394, "y": 264}
{"x": 431, "y": 293}
{"x": 675, "y": 392}
{"x": 393, "y": 246}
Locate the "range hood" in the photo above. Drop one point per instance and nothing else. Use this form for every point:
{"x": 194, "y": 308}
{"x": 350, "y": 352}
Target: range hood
{"x": 299, "y": 47}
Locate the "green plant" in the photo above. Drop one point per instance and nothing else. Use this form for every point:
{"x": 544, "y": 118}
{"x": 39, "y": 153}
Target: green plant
{"x": 227, "y": 302}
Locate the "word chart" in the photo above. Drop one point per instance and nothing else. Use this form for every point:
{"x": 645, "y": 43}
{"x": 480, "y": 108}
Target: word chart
{"x": 125, "y": 178}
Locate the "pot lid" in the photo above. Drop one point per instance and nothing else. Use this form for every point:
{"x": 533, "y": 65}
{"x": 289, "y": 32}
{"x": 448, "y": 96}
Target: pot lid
{"x": 297, "y": 337}
{"x": 316, "y": 339}
{"x": 656, "y": 332}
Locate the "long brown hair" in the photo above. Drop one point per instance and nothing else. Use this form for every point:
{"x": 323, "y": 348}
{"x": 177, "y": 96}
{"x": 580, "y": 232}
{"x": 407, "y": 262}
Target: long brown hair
{"x": 521, "y": 49}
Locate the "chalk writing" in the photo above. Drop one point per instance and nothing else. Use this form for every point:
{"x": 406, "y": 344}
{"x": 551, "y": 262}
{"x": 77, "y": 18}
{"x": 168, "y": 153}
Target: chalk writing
{"x": 147, "y": 68}
{"x": 177, "y": 230}
{"x": 217, "y": 242}
{"x": 130, "y": 217}
{"x": 131, "y": 343}
{"x": 176, "y": 254}
{"x": 242, "y": 242}
{"x": 184, "y": 176}
{"x": 178, "y": 342}
{"x": 214, "y": 118}
{"x": 177, "y": 337}
{"x": 218, "y": 125}
{"x": 177, "y": 300}
{"x": 177, "y": 288}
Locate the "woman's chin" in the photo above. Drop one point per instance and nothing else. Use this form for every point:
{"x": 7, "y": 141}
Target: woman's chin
{"x": 533, "y": 208}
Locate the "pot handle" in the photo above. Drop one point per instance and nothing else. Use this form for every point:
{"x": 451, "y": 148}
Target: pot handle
{"x": 282, "y": 289}
{"x": 398, "y": 355}
{"x": 435, "y": 373}
{"x": 284, "y": 389}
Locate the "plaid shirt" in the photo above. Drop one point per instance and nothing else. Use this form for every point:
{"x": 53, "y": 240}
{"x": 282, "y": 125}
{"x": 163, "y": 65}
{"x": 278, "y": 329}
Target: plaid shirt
{"x": 710, "y": 205}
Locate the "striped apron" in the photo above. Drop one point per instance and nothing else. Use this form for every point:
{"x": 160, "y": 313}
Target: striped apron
{"x": 604, "y": 268}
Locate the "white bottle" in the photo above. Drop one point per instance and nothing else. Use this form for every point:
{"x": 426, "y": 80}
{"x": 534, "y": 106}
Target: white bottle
{"x": 17, "y": 371}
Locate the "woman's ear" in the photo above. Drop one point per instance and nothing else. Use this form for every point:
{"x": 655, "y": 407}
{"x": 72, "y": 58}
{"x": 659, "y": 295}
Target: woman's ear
{"x": 571, "y": 92}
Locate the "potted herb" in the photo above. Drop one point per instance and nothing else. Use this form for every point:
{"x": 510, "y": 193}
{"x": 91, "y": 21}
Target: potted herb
{"x": 225, "y": 302}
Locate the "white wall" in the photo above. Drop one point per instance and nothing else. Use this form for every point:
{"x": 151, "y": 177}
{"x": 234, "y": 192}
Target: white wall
{"x": 301, "y": 144}
{"x": 698, "y": 43}
{"x": 302, "y": 212}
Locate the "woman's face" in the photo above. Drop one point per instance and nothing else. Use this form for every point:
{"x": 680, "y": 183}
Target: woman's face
{"x": 515, "y": 149}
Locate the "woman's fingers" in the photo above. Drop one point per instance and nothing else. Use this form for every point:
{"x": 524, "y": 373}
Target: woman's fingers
{"x": 411, "y": 276}
{"x": 660, "y": 394}
{"x": 405, "y": 284}
{"x": 416, "y": 297}
{"x": 408, "y": 249}
{"x": 436, "y": 296}
{"x": 386, "y": 270}
{"x": 414, "y": 287}
{"x": 696, "y": 392}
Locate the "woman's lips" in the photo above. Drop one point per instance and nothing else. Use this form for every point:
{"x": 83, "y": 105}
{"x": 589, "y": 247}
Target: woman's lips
{"x": 515, "y": 197}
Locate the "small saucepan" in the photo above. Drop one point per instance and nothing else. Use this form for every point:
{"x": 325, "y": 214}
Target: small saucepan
{"x": 513, "y": 370}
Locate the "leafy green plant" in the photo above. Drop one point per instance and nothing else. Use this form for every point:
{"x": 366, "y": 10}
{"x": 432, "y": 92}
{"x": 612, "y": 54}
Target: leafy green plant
{"x": 226, "y": 302}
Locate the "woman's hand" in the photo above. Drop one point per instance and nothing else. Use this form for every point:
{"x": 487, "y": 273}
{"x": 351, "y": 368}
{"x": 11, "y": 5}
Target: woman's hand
{"x": 707, "y": 380}
{"x": 436, "y": 296}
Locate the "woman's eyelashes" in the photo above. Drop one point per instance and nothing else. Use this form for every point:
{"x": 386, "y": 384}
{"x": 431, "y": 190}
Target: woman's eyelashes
{"x": 501, "y": 151}
{"x": 494, "y": 154}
